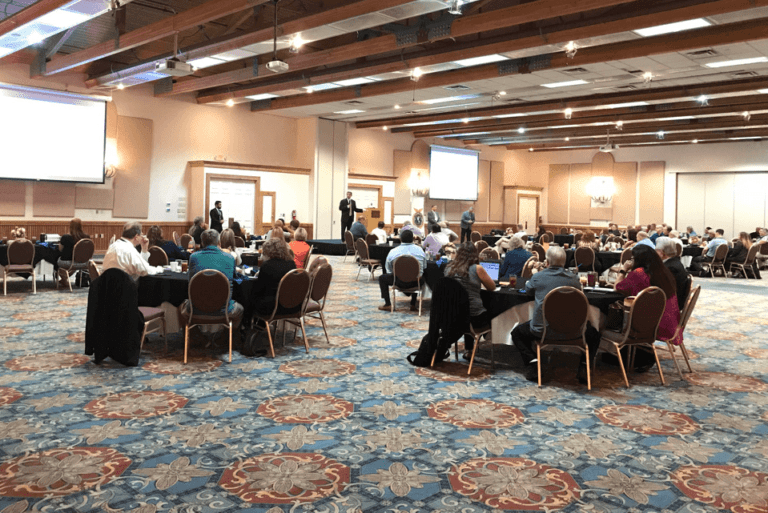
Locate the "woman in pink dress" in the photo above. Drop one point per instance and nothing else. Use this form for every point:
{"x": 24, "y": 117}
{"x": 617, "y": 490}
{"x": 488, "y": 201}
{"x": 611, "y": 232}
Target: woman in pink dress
{"x": 647, "y": 270}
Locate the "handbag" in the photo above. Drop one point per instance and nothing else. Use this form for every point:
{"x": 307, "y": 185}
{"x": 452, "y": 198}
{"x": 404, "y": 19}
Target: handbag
{"x": 615, "y": 317}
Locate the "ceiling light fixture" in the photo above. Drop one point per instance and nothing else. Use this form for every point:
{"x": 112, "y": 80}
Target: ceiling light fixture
{"x": 660, "y": 135}
{"x": 350, "y": 111}
{"x": 647, "y": 77}
{"x": 567, "y": 139}
{"x": 703, "y": 100}
{"x": 296, "y": 43}
{"x": 695, "y": 141}
{"x": 384, "y": 128}
{"x": 619, "y": 125}
{"x": 568, "y": 83}
{"x": 746, "y": 115}
{"x": 530, "y": 149}
{"x": 120, "y": 86}
{"x": 673, "y": 27}
{"x": 230, "y": 102}
{"x": 455, "y": 8}
{"x": 736, "y": 62}
{"x": 568, "y": 113}
{"x": 397, "y": 107}
{"x": 521, "y": 130}
{"x": 416, "y": 73}
{"x": 570, "y": 49}
{"x": 465, "y": 120}
{"x": 502, "y": 93}
{"x": 485, "y": 59}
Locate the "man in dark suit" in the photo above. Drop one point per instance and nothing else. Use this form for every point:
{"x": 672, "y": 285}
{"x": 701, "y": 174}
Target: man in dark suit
{"x": 432, "y": 218}
{"x": 217, "y": 216}
{"x": 348, "y": 209}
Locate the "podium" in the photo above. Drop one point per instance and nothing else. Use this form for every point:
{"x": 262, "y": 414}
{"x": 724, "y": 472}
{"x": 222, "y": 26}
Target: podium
{"x": 372, "y": 218}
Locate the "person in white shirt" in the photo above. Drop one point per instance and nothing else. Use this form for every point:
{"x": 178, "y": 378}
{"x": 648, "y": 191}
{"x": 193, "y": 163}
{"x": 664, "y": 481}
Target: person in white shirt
{"x": 122, "y": 253}
{"x": 445, "y": 229}
{"x": 521, "y": 232}
{"x": 381, "y": 235}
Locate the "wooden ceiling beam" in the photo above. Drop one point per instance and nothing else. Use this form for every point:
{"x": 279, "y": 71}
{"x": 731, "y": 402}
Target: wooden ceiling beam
{"x": 31, "y": 13}
{"x": 464, "y": 26}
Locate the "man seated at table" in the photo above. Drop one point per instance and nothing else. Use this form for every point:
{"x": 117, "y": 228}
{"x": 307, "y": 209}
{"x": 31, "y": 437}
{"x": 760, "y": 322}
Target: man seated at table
{"x": 123, "y": 255}
{"x": 386, "y": 280}
{"x": 380, "y": 233}
{"x": 763, "y": 233}
{"x": 717, "y": 238}
{"x": 527, "y": 334}
{"x": 642, "y": 238}
{"x": 358, "y": 229}
{"x": 435, "y": 240}
{"x": 690, "y": 232}
{"x": 502, "y": 244}
{"x": 211, "y": 256}
{"x": 521, "y": 232}
{"x": 613, "y": 229}
{"x": 514, "y": 259}
{"x": 667, "y": 250}
{"x": 407, "y": 226}
{"x": 446, "y": 229}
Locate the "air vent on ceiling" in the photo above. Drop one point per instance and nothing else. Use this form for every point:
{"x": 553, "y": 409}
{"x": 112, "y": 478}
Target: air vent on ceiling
{"x": 576, "y": 70}
{"x": 634, "y": 71}
{"x": 625, "y": 88}
{"x": 744, "y": 74}
{"x": 709, "y": 52}
{"x": 353, "y": 102}
{"x": 457, "y": 87}
{"x": 513, "y": 100}
{"x": 664, "y": 106}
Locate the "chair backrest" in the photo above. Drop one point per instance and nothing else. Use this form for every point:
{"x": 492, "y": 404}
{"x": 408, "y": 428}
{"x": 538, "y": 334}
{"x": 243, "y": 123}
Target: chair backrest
{"x": 371, "y": 239}
{"x": 321, "y": 282}
{"x": 453, "y": 238}
{"x": 21, "y": 252}
{"x": 93, "y": 270}
{"x": 350, "y": 240}
{"x": 565, "y": 311}
{"x": 563, "y": 231}
{"x": 488, "y": 254}
{"x": 362, "y": 249}
{"x": 481, "y": 245}
{"x": 645, "y": 315}
{"x": 763, "y": 248}
{"x": 475, "y": 236}
{"x": 185, "y": 240}
{"x": 157, "y": 256}
{"x": 208, "y": 293}
{"x": 112, "y": 240}
{"x": 752, "y": 255}
{"x": 406, "y": 269}
{"x": 679, "y": 250}
{"x": 539, "y": 250}
{"x": 544, "y": 238}
{"x": 626, "y": 255}
{"x": 293, "y": 289}
{"x": 552, "y": 236}
{"x": 316, "y": 264}
{"x": 577, "y": 237}
{"x": 83, "y": 251}
{"x": 720, "y": 253}
{"x": 584, "y": 256}
{"x": 176, "y": 239}
{"x": 527, "y": 268}
{"x": 306, "y": 258}
{"x": 239, "y": 242}
{"x": 690, "y": 304}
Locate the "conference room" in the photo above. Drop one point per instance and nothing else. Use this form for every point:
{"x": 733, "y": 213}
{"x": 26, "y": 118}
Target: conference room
{"x": 480, "y": 255}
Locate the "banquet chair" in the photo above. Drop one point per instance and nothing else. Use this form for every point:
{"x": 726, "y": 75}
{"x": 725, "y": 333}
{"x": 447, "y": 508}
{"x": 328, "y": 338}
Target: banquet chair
{"x": 21, "y": 259}
{"x": 584, "y": 259}
{"x": 320, "y": 283}
{"x": 185, "y": 239}
{"x": 112, "y": 240}
{"x": 239, "y": 242}
{"x": 305, "y": 264}
{"x": 641, "y": 328}
{"x": 93, "y": 270}
{"x": 685, "y": 316}
{"x": 152, "y": 315}
{"x": 545, "y": 238}
{"x": 316, "y": 263}
{"x": 488, "y": 254}
{"x": 452, "y": 238}
{"x": 539, "y": 250}
{"x": 565, "y": 311}
{"x": 563, "y": 231}
{"x": 81, "y": 255}
{"x": 718, "y": 261}
{"x": 527, "y": 271}
{"x": 157, "y": 257}
{"x": 625, "y": 255}
{"x": 176, "y": 238}
{"x": 365, "y": 260}
{"x": 748, "y": 262}
{"x": 475, "y": 237}
{"x": 291, "y": 293}
{"x": 577, "y": 237}
{"x": 480, "y": 245}
{"x": 208, "y": 294}
{"x": 406, "y": 269}
{"x": 551, "y": 236}
{"x": 763, "y": 254}
{"x": 371, "y": 239}
{"x": 679, "y": 252}
{"x": 349, "y": 240}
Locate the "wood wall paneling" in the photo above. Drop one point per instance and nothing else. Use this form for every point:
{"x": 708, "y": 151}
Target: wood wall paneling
{"x": 496, "y": 212}
{"x": 50, "y": 199}
{"x": 134, "y": 152}
{"x": 482, "y": 206}
{"x": 651, "y": 192}
{"x": 581, "y": 203}
{"x": 557, "y": 204}
{"x": 625, "y": 180}
{"x": 12, "y": 198}
{"x": 100, "y": 198}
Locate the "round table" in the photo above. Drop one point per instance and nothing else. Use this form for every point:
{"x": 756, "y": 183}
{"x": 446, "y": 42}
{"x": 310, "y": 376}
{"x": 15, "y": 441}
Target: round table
{"x": 173, "y": 288}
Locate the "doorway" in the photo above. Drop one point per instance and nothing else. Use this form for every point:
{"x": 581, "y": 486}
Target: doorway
{"x": 528, "y": 212}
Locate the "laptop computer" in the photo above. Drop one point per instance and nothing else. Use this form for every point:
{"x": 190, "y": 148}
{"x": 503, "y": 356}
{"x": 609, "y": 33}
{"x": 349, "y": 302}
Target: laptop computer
{"x": 492, "y": 268}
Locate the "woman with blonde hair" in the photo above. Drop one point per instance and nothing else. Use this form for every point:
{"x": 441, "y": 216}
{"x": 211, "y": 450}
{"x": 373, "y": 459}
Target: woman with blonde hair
{"x": 276, "y": 263}
{"x": 227, "y": 244}
{"x": 299, "y": 247}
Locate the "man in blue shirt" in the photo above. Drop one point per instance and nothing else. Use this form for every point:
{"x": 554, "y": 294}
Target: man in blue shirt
{"x": 358, "y": 229}
{"x": 386, "y": 280}
{"x": 467, "y": 220}
{"x": 525, "y": 335}
{"x": 716, "y": 240}
{"x": 642, "y": 238}
{"x": 514, "y": 259}
{"x": 210, "y": 256}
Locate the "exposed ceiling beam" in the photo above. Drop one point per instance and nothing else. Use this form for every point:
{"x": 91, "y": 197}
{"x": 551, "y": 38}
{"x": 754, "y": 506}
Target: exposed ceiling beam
{"x": 190, "y": 18}
{"x": 594, "y": 100}
{"x": 31, "y": 13}
{"x": 239, "y": 21}
{"x": 228, "y": 43}
{"x": 464, "y": 26}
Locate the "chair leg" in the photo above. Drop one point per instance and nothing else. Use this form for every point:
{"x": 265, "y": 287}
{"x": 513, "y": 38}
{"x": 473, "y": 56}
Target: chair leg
{"x": 143, "y": 336}
{"x": 304, "y": 334}
{"x": 621, "y": 364}
{"x": 589, "y": 376}
{"x": 271, "y": 346}
{"x": 472, "y": 358}
{"x": 538, "y": 362}
{"x": 34, "y": 282}
{"x": 421, "y": 297}
{"x": 165, "y": 334}
{"x": 5, "y": 287}
{"x": 186, "y": 341}
{"x": 394, "y": 300}
{"x": 674, "y": 359}
{"x": 685, "y": 355}
{"x": 230, "y": 340}
{"x": 658, "y": 364}
{"x": 359, "y": 268}
{"x": 325, "y": 330}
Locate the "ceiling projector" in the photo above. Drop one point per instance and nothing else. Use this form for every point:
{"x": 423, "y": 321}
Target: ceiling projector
{"x": 277, "y": 66}
{"x": 174, "y": 68}
{"x": 608, "y": 148}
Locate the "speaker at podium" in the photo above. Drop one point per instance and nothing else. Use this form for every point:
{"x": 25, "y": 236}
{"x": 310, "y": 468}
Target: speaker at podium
{"x": 372, "y": 218}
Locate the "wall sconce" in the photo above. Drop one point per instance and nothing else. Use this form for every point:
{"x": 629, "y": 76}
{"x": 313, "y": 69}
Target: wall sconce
{"x": 601, "y": 189}
{"x": 418, "y": 183}
{"x": 110, "y": 158}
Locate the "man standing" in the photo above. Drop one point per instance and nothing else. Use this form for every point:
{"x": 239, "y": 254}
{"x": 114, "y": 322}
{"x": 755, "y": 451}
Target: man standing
{"x": 385, "y": 280}
{"x": 123, "y": 255}
{"x": 358, "y": 229}
{"x": 432, "y": 218}
{"x": 348, "y": 208}
{"x": 217, "y": 217}
{"x": 467, "y": 220}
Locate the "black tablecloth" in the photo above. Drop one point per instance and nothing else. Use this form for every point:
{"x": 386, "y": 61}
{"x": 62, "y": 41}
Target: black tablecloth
{"x": 563, "y": 239}
{"x": 250, "y": 259}
{"x": 42, "y": 252}
{"x": 692, "y": 251}
{"x": 607, "y": 258}
{"x": 328, "y": 247}
{"x": 173, "y": 287}
{"x": 380, "y": 251}
{"x": 491, "y": 239}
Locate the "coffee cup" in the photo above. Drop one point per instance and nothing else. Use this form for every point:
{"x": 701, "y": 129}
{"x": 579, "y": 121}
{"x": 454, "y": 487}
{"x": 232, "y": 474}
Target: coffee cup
{"x": 184, "y": 266}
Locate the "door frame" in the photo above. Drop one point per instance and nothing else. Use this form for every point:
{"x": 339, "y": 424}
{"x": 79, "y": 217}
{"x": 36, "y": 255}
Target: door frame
{"x": 537, "y": 198}
{"x": 234, "y": 178}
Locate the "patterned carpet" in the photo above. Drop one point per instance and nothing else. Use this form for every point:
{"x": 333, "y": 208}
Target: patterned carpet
{"x": 352, "y": 427}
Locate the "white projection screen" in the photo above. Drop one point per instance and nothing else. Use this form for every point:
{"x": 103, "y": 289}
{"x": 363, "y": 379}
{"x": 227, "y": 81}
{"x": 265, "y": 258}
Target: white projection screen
{"x": 453, "y": 173}
{"x": 50, "y": 135}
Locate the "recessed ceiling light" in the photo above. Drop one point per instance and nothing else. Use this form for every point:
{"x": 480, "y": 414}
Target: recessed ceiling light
{"x": 761, "y": 91}
{"x": 565, "y": 84}
{"x": 354, "y": 81}
{"x": 230, "y": 102}
{"x": 263, "y": 96}
{"x": 517, "y": 115}
{"x": 62, "y": 19}
{"x": 120, "y": 86}
{"x": 476, "y": 61}
{"x": 322, "y": 87}
{"x": 204, "y": 62}
{"x": 626, "y": 105}
{"x": 502, "y": 93}
{"x": 351, "y": 111}
{"x": 521, "y": 130}
{"x": 448, "y": 99}
{"x": 737, "y": 62}
{"x": 673, "y": 27}
{"x": 384, "y": 128}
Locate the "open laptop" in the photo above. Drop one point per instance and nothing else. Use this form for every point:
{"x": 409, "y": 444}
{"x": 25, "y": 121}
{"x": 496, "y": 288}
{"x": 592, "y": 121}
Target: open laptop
{"x": 492, "y": 268}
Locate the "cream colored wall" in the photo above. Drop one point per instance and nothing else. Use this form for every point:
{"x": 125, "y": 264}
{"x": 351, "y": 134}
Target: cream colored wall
{"x": 371, "y": 150}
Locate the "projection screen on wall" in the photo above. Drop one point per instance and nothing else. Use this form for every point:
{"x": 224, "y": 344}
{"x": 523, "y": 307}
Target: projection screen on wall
{"x": 51, "y": 135}
{"x": 453, "y": 173}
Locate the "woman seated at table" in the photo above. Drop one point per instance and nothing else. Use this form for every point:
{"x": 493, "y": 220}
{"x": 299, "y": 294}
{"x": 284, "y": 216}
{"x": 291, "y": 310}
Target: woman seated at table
{"x": 502, "y": 244}
{"x": 514, "y": 259}
{"x": 174, "y": 252}
{"x": 588, "y": 240}
{"x": 465, "y": 269}
{"x": 238, "y": 231}
{"x": 647, "y": 270}
{"x": 67, "y": 244}
{"x": 299, "y": 247}
{"x": 738, "y": 253}
{"x": 276, "y": 262}
{"x": 227, "y": 243}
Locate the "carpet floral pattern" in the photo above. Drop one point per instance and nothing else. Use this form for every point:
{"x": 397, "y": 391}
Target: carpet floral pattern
{"x": 352, "y": 427}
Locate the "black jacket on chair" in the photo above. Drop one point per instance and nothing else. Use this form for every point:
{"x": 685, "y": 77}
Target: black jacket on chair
{"x": 114, "y": 324}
